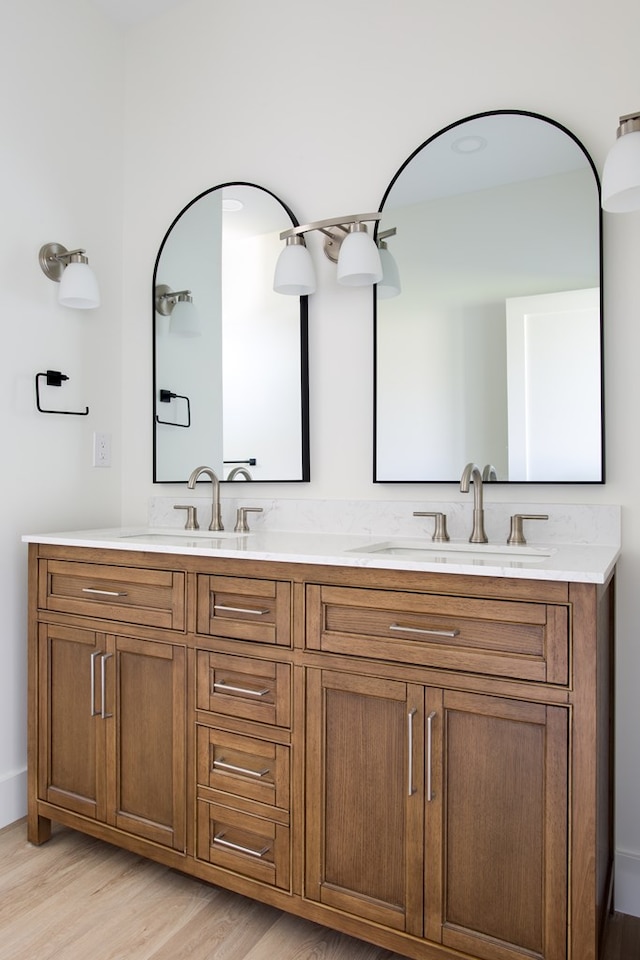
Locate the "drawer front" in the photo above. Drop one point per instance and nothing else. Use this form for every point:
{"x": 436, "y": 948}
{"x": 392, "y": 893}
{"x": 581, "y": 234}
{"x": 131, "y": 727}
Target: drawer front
{"x": 155, "y": 598}
{"x": 508, "y": 638}
{"x": 243, "y": 766}
{"x": 245, "y": 608}
{"x": 244, "y": 687}
{"x": 252, "y": 846}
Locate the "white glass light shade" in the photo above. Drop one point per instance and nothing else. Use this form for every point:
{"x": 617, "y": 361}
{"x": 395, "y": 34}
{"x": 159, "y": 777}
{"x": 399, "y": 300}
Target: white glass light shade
{"x": 389, "y": 286}
{"x": 184, "y": 320}
{"x": 79, "y": 287}
{"x": 295, "y": 275}
{"x": 359, "y": 260}
{"x": 621, "y": 175}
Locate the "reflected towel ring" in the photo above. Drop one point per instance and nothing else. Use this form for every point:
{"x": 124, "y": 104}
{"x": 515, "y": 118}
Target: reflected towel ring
{"x": 166, "y": 396}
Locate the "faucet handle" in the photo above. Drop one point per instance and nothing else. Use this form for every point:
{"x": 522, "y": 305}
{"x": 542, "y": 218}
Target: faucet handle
{"x": 192, "y": 515}
{"x": 440, "y": 534}
{"x": 516, "y": 534}
{"x": 241, "y": 519}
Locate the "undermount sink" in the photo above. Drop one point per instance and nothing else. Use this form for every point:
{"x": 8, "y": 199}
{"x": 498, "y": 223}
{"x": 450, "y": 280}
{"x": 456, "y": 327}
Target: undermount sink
{"x": 201, "y": 537}
{"x": 457, "y": 552}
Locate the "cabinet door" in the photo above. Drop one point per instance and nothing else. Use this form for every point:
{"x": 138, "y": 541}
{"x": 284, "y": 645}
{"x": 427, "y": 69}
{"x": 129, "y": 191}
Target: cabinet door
{"x": 365, "y": 797}
{"x": 70, "y": 727}
{"x": 504, "y": 793}
{"x": 146, "y": 740}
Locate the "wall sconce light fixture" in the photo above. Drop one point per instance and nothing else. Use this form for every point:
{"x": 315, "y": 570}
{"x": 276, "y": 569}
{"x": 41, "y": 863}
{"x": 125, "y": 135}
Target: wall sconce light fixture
{"x": 70, "y": 268}
{"x": 178, "y": 305}
{"x": 621, "y": 173}
{"x": 389, "y": 286}
{"x": 347, "y": 244}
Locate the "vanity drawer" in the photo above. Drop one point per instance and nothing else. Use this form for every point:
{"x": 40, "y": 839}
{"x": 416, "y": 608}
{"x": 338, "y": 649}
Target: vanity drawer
{"x": 245, "y": 608}
{"x": 238, "y": 841}
{"x": 244, "y": 687}
{"x": 155, "y": 598}
{"x": 243, "y": 766}
{"x": 507, "y": 638}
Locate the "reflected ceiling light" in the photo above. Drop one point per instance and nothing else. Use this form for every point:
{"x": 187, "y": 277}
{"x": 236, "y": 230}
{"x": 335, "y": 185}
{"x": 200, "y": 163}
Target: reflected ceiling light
{"x": 621, "y": 174}
{"x": 178, "y": 305}
{"x": 470, "y": 144}
{"x": 347, "y": 243}
{"x": 70, "y": 268}
{"x": 389, "y": 286}
{"x": 232, "y": 205}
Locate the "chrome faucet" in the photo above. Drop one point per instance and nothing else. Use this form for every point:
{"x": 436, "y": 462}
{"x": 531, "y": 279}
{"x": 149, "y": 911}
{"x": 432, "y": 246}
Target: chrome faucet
{"x": 239, "y": 472}
{"x": 216, "y": 515}
{"x": 472, "y": 472}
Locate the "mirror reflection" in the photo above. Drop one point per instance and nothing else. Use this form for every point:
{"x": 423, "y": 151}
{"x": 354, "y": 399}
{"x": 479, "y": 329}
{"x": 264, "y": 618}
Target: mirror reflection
{"x": 491, "y": 351}
{"x": 230, "y": 355}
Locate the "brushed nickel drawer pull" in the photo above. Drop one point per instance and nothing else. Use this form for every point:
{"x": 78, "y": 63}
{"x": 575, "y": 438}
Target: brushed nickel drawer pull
{"x": 223, "y": 765}
{"x": 103, "y": 593}
{"x": 222, "y": 606}
{"x": 430, "y": 633}
{"x": 94, "y": 712}
{"x": 223, "y": 685}
{"x": 219, "y": 839}
{"x": 410, "y": 717}
{"x": 103, "y": 685}
{"x": 429, "y": 753}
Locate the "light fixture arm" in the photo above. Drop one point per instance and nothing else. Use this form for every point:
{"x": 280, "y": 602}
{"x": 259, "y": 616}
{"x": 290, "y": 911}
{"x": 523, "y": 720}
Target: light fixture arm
{"x": 54, "y": 258}
{"x": 330, "y": 228}
{"x": 630, "y": 123}
{"x": 166, "y": 298}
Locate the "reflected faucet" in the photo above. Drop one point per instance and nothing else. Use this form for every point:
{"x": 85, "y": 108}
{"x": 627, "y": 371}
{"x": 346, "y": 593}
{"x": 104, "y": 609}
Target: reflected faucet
{"x": 216, "y": 515}
{"x": 472, "y": 472}
{"x": 239, "y": 471}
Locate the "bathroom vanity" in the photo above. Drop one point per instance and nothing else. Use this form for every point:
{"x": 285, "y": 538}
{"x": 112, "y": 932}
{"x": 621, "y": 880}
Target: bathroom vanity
{"x": 417, "y": 753}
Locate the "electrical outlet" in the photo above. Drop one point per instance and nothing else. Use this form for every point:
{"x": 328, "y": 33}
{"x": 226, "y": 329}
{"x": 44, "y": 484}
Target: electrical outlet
{"x": 102, "y": 449}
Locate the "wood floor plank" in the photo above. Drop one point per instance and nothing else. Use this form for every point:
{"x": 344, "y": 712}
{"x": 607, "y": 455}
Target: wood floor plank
{"x": 75, "y": 898}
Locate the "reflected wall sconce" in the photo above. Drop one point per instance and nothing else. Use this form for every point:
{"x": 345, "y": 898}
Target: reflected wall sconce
{"x": 347, "y": 243}
{"x": 70, "y": 268}
{"x": 178, "y": 306}
{"x": 389, "y": 286}
{"x": 621, "y": 173}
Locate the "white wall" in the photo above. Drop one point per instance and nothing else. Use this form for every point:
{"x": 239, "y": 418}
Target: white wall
{"x": 321, "y": 103}
{"x": 61, "y": 77}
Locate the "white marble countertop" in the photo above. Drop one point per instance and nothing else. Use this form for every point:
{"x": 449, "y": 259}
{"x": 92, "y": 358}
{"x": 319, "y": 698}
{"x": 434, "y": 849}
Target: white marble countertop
{"x": 585, "y": 563}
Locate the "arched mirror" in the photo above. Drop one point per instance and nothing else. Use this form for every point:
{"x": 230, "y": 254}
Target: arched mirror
{"x": 491, "y": 351}
{"x": 230, "y": 375}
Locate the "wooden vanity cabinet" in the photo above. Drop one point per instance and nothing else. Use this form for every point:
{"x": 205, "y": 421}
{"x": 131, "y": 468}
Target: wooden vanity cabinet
{"x": 420, "y": 760}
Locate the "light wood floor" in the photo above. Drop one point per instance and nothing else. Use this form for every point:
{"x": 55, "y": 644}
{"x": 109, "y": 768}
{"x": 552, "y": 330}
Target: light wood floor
{"x": 76, "y": 898}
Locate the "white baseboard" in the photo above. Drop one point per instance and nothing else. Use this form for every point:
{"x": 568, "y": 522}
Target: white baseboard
{"x": 627, "y": 883}
{"x": 13, "y": 797}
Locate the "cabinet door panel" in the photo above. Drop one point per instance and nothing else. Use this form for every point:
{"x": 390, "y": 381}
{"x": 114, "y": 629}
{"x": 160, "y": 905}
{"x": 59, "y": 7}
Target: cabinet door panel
{"x": 147, "y": 740}
{"x": 365, "y": 817}
{"x": 505, "y": 783}
{"x": 71, "y": 731}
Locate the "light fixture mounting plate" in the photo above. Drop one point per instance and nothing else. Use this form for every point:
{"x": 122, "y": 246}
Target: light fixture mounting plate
{"x": 51, "y": 267}
{"x": 164, "y": 305}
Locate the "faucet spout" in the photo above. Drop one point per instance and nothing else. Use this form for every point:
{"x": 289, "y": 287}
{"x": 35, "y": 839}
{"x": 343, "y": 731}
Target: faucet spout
{"x": 216, "y": 514}
{"x": 472, "y": 473}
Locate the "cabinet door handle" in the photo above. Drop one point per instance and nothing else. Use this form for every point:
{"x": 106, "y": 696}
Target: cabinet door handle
{"x": 222, "y": 606}
{"x": 219, "y": 839}
{"x": 94, "y": 712}
{"x": 430, "y": 633}
{"x": 410, "y": 717}
{"x": 429, "y": 753}
{"x": 103, "y": 593}
{"x": 223, "y": 765}
{"x": 103, "y": 685}
{"x": 223, "y": 685}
